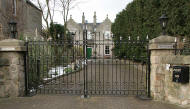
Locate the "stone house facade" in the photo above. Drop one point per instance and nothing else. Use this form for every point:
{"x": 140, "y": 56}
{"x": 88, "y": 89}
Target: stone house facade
{"x": 27, "y": 16}
{"x": 99, "y": 36}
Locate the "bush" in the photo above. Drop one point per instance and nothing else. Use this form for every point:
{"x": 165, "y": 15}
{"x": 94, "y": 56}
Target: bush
{"x": 68, "y": 70}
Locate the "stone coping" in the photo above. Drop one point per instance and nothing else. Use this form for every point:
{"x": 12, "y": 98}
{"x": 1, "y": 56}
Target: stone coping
{"x": 162, "y": 43}
{"x": 163, "y": 39}
{"x": 12, "y": 45}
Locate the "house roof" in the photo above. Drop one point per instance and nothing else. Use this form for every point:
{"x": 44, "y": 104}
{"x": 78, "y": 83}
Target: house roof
{"x": 89, "y": 24}
{"x": 32, "y": 4}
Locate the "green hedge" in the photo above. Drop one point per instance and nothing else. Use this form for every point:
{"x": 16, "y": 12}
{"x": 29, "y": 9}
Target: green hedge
{"x": 141, "y": 18}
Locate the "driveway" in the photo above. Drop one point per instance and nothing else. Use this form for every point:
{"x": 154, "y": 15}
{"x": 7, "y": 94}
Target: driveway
{"x": 75, "y": 102}
{"x": 105, "y": 77}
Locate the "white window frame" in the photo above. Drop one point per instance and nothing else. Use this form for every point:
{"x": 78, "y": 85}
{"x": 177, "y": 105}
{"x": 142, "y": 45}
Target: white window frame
{"x": 14, "y": 6}
{"x": 106, "y": 49}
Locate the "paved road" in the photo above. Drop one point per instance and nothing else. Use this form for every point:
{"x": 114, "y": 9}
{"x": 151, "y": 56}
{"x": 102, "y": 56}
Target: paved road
{"x": 106, "y": 77}
{"x": 75, "y": 102}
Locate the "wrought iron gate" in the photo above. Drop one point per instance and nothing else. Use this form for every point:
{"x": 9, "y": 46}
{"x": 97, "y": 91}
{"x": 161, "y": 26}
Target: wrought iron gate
{"x": 114, "y": 67}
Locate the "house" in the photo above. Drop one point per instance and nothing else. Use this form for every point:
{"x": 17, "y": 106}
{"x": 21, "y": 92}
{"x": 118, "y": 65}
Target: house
{"x": 27, "y": 16}
{"x": 99, "y": 36}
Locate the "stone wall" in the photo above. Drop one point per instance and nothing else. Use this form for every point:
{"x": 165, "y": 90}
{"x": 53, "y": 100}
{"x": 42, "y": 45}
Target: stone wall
{"x": 33, "y": 21}
{"x": 163, "y": 59}
{"x": 12, "y": 73}
{"x": 28, "y": 18}
{"x": 6, "y": 15}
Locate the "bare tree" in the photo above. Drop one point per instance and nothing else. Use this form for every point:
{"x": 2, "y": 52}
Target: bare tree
{"x": 49, "y": 7}
{"x": 66, "y": 6}
{"x": 48, "y": 10}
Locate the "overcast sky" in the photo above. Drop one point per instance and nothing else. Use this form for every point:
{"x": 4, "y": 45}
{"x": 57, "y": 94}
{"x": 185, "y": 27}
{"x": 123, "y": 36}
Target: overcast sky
{"x": 102, "y": 8}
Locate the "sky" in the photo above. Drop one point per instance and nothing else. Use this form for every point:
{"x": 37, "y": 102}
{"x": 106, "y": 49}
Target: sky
{"x": 102, "y": 8}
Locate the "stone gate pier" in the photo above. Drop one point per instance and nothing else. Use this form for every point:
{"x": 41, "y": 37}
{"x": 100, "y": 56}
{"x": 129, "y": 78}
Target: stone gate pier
{"x": 163, "y": 59}
{"x": 12, "y": 72}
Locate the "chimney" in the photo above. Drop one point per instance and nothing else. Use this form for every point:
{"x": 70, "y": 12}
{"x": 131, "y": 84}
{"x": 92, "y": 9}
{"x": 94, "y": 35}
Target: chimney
{"x": 83, "y": 18}
{"x": 71, "y": 17}
{"x": 94, "y": 18}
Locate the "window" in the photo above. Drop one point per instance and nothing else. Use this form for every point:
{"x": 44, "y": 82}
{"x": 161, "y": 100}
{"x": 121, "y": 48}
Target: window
{"x": 107, "y": 50}
{"x": 107, "y": 35}
{"x": 14, "y": 7}
{"x": 89, "y": 35}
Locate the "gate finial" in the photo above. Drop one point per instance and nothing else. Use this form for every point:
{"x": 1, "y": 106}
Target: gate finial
{"x": 138, "y": 37}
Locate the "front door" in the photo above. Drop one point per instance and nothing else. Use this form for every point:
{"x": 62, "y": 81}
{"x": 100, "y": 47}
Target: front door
{"x": 89, "y": 52}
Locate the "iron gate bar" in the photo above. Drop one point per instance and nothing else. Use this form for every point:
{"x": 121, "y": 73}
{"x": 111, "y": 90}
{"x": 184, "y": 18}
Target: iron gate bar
{"x": 149, "y": 69}
{"x": 103, "y": 63}
{"x": 99, "y": 76}
{"x": 85, "y": 62}
{"x": 26, "y": 69}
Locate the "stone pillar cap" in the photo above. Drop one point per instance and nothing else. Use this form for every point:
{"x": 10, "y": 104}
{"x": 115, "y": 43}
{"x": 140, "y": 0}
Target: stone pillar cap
{"x": 12, "y": 42}
{"x": 162, "y": 43}
{"x": 163, "y": 39}
{"x": 12, "y": 45}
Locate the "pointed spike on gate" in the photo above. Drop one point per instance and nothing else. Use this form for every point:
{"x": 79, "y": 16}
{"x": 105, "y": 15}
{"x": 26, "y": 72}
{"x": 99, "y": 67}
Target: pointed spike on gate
{"x": 26, "y": 38}
{"x": 147, "y": 37}
{"x": 138, "y": 38}
{"x": 120, "y": 37}
{"x": 129, "y": 38}
{"x": 184, "y": 40}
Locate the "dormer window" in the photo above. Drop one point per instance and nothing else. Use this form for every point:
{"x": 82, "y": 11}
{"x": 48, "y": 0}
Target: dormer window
{"x": 14, "y": 7}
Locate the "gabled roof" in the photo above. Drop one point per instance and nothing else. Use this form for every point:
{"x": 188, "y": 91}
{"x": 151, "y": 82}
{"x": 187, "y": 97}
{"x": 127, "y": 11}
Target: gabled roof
{"x": 33, "y": 5}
